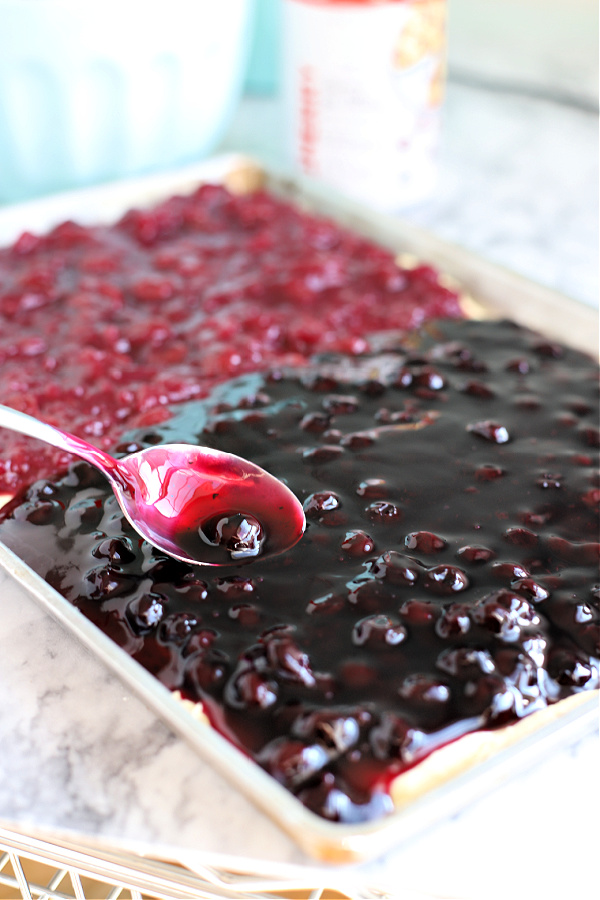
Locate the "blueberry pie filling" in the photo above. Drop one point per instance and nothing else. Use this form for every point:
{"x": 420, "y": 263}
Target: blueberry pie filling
{"x": 447, "y": 581}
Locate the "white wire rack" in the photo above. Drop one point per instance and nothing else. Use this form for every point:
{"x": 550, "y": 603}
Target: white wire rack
{"x": 34, "y": 868}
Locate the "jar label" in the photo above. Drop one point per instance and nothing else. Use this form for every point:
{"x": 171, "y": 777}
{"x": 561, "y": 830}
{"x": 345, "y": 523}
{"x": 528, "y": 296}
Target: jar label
{"x": 363, "y": 86}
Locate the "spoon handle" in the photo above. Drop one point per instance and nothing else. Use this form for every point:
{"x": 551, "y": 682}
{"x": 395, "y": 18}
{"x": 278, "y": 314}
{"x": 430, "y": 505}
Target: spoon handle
{"x": 24, "y": 424}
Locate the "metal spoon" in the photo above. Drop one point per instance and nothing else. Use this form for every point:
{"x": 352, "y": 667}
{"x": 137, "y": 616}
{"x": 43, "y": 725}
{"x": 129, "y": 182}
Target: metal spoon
{"x": 199, "y": 505}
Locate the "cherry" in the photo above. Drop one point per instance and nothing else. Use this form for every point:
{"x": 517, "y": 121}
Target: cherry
{"x": 358, "y": 543}
{"x": 490, "y": 431}
{"x": 242, "y": 536}
{"x": 146, "y": 611}
{"x": 379, "y": 629}
{"x": 424, "y": 541}
{"x": 446, "y": 580}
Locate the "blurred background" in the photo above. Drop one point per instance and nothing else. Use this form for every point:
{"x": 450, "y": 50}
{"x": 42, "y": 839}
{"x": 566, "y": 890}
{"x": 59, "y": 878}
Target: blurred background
{"x": 497, "y": 152}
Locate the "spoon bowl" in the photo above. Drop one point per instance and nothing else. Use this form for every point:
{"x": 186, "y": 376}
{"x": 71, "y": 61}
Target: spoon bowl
{"x": 197, "y": 504}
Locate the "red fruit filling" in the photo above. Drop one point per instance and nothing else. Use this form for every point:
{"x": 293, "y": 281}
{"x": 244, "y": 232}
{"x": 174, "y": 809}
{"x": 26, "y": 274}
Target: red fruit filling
{"x": 101, "y": 328}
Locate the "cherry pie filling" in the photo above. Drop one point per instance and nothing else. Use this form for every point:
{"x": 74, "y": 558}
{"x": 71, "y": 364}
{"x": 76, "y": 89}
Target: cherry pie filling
{"x": 102, "y": 328}
{"x": 447, "y": 580}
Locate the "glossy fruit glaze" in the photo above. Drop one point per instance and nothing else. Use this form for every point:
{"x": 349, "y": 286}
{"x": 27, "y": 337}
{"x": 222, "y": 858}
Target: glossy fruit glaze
{"x": 101, "y": 328}
{"x": 207, "y": 507}
{"x": 447, "y": 580}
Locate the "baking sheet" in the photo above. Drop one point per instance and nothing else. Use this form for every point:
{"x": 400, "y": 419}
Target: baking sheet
{"x": 528, "y": 303}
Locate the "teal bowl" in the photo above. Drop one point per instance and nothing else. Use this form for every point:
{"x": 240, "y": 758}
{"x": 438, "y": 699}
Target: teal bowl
{"x": 92, "y": 92}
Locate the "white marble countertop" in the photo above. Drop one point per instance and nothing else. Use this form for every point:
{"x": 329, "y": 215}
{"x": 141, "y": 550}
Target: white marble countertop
{"x": 79, "y": 752}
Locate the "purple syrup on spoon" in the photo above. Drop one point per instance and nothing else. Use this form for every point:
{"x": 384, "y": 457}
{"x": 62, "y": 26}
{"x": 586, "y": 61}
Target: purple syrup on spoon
{"x": 197, "y": 504}
{"x": 207, "y": 506}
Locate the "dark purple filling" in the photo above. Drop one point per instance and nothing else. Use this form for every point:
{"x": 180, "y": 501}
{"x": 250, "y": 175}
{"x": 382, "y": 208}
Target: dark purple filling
{"x": 447, "y": 581}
